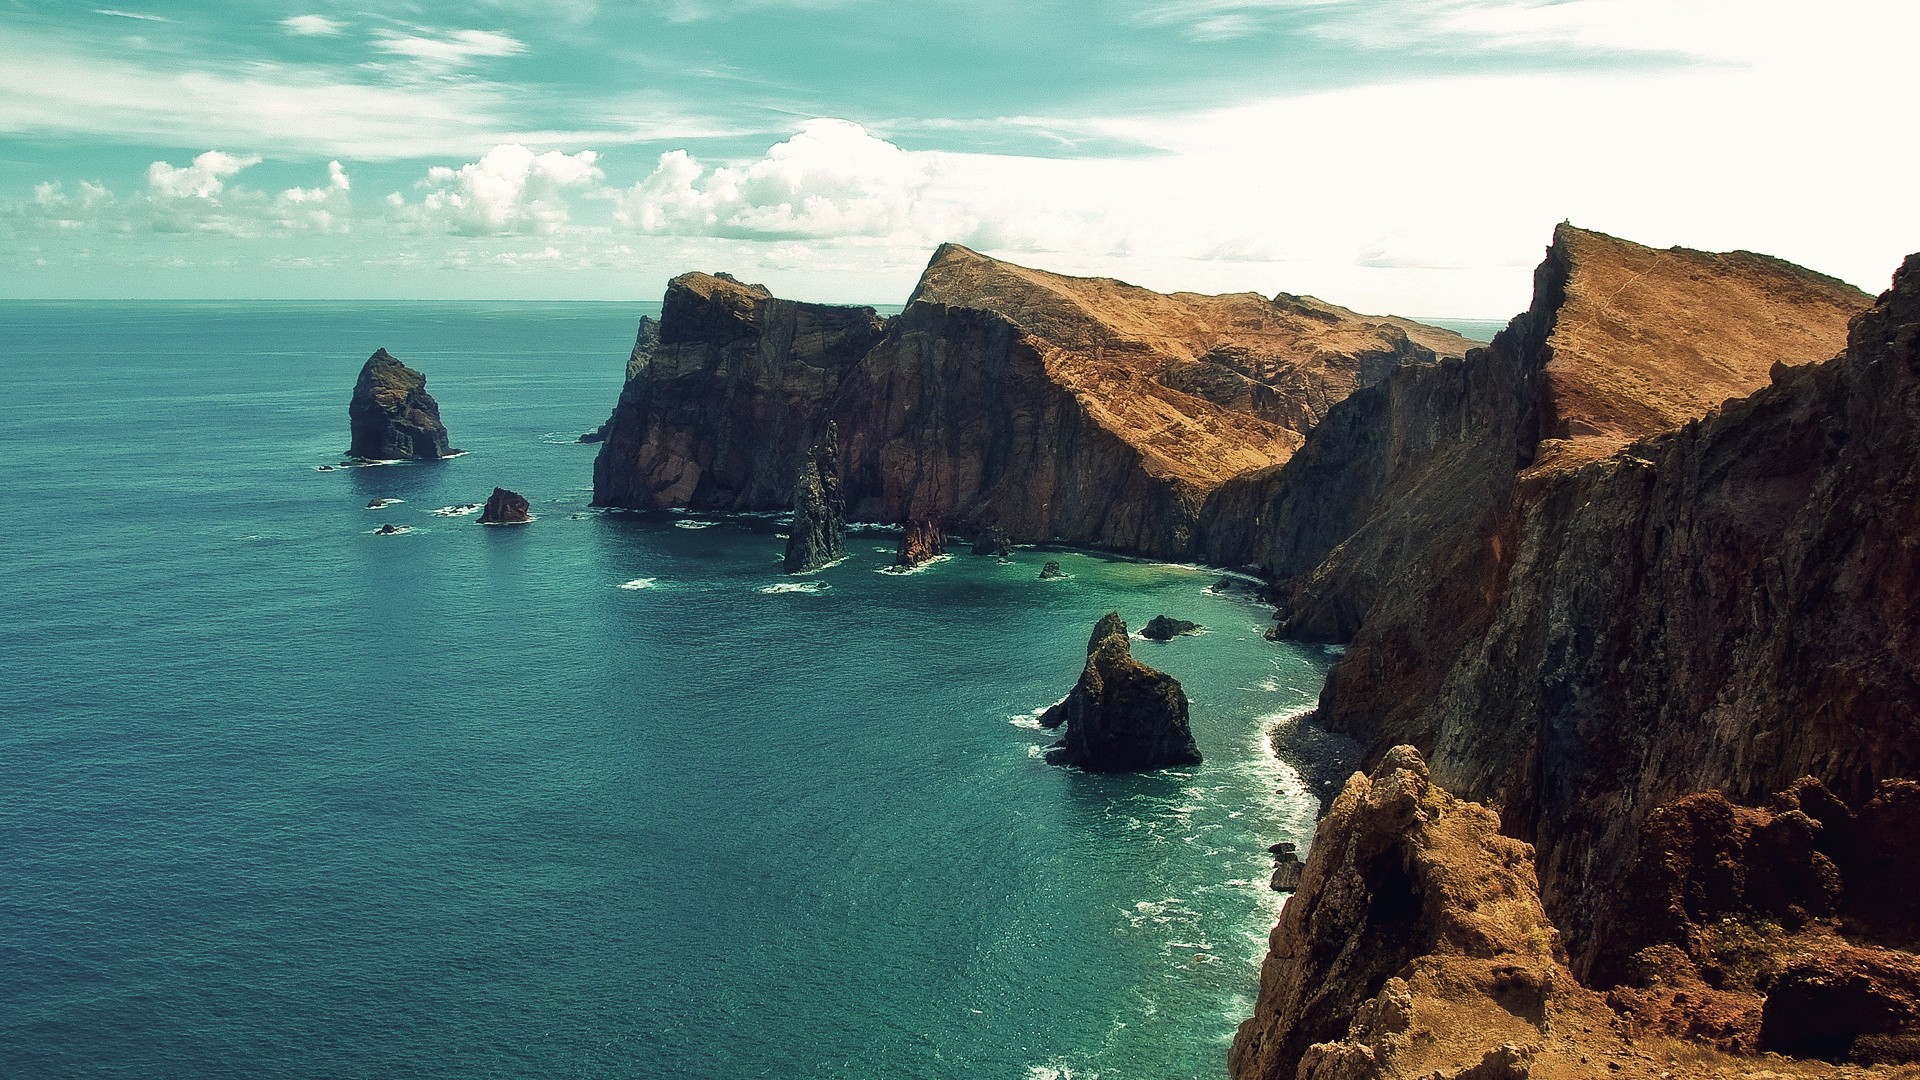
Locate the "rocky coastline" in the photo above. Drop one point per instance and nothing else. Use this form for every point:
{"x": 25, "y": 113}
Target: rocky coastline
{"x": 1638, "y": 577}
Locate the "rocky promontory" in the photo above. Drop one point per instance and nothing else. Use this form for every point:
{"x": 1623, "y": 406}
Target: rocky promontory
{"x": 1042, "y": 406}
{"x": 392, "y": 416}
{"x": 818, "y": 535}
{"x": 505, "y": 508}
{"x": 1122, "y": 716}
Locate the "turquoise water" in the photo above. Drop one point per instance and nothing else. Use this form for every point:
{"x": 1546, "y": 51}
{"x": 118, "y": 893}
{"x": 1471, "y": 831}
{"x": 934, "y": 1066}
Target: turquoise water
{"x": 280, "y": 797}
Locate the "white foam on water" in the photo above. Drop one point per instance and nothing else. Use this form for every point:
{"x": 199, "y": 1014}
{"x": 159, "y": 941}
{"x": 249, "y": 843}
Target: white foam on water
{"x": 693, "y": 524}
{"x": 461, "y": 510}
{"x": 810, "y": 588}
{"x": 1058, "y": 1069}
{"x": 638, "y": 583}
{"x": 903, "y": 570}
{"x": 401, "y": 531}
{"x": 382, "y": 504}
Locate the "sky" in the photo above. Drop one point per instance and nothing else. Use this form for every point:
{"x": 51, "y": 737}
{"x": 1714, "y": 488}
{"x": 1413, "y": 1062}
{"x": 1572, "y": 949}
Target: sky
{"x": 1405, "y": 156}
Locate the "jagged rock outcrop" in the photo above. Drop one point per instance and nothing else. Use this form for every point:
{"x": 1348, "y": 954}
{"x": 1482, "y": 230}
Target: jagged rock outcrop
{"x": 1044, "y": 406}
{"x": 1416, "y": 945}
{"x": 1166, "y": 628}
{"x": 818, "y": 535}
{"x": 920, "y": 543}
{"x": 1122, "y": 716}
{"x": 505, "y": 508}
{"x": 1051, "y": 571}
{"x": 392, "y": 416}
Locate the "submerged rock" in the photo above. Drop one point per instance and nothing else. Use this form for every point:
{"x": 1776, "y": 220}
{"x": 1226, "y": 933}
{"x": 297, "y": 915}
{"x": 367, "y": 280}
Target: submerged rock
{"x": 1122, "y": 716}
{"x": 922, "y": 542}
{"x": 819, "y": 532}
{"x": 505, "y": 508}
{"x": 389, "y": 530}
{"x": 393, "y": 418}
{"x": 1163, "y": 628}
{"x": 1051, "y": 571}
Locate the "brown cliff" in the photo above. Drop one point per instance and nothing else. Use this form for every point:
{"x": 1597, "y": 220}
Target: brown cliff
{"x": 1043, "y": 406}
{"x": 1417, "y": 946}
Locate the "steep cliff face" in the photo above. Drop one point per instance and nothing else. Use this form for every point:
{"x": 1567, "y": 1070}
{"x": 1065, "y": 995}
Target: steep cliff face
{"x": 391, "y": 415}
{"x": 724, "y": 395}
{"x": 1003, "y": 398}
{"x": 1727, "y": 606}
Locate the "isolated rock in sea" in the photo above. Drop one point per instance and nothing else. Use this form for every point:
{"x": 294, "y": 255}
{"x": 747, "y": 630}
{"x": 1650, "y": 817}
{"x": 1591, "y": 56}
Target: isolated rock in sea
{"x": 1165, "y": 628}
{"x": 921, "y": 542}
{"x": 818, "y": 535}
{"x": 392, "y": 416}
{"x": 1122, "y": 716}
{"x": 1287, "y": 868}
{"x": 1045, "y": 406}
{"x": 505, "y": 508}
{"x": 994, "y": 543}
{"x": 389, "y": 529}
{"x": 1051, "y": 571}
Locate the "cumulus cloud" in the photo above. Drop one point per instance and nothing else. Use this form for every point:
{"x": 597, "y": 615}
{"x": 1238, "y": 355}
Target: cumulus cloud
{"x": 831, "y": 179}
{"x": 510, "y": 189}
{"x": 195, "y": 198}
{"x": 312, "y": 25}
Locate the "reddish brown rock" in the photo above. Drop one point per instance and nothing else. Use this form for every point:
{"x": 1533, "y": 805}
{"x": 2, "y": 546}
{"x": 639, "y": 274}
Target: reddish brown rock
{"x": 921, "y": 542}
{"x": 1043, "y": 406}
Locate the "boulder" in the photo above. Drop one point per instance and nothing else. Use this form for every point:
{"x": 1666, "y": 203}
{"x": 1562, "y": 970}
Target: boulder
{"x": 1163, "y": 628}
{"x": 505, "y": 508}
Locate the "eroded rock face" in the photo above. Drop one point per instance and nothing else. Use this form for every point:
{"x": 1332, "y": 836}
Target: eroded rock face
{"x": 1043, "y": 406}
{"x": 392, "y": 416}
{"x": 818, "y": 535}
{"x": 1122, "y": 716}
{"x": 505, "y": 508}
{"x": 921, "y": 542}
{"x": 1583, "y": 627}
{"x": 1413, "y": 914}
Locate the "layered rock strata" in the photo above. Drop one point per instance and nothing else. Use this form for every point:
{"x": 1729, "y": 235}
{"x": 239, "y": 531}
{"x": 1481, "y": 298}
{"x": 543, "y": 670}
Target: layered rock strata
{"x": 818, "y": 535}
{"x": 1042, "y": 406}
{"x": 1121, "y": 716}
{"x": 391, "y": 415}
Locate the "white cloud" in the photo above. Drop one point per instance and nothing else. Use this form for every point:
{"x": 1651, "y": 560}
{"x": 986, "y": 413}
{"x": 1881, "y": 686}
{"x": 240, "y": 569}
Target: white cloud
{"x": 831, "y": 179}
{"x": 203, "y": 179}
{"x": 449, "y": 50}
{"x": 312, "y": 25}
{"x": 142, "y": 16}
{"x": 195, "y": 198}
{"x": 510, "y": 189}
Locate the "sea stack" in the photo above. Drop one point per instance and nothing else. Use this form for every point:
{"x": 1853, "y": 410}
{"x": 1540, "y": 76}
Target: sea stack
{"x": 392, "y": 416}
{"x": 922, "y": 542}
{"x": 819, "y": 532}
{"x": 1122, "y": 715}
{"x": 505, "y": 508}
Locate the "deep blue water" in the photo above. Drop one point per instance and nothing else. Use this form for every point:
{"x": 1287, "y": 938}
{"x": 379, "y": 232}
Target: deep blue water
{"x": 280, "y": 797}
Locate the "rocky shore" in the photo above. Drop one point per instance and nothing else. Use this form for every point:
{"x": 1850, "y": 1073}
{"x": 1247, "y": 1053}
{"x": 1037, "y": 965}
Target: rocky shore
{"x": 1630, "y": 602}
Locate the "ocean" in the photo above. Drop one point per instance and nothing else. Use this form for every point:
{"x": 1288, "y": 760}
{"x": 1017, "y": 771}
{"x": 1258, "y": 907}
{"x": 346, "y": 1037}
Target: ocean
{"x": 606, "y": 795}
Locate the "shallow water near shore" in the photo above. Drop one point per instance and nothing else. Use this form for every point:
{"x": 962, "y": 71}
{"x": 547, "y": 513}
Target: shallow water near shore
{"x": 602, "y": 795}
